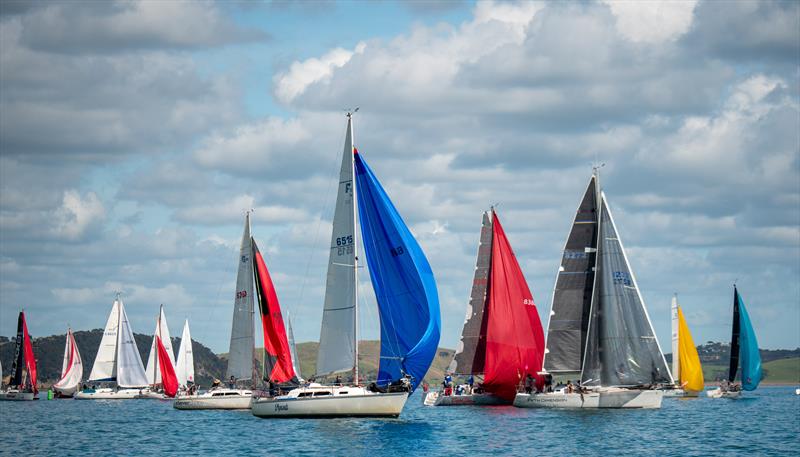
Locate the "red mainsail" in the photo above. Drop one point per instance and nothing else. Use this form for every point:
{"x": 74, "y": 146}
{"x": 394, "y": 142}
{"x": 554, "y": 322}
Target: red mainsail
{"x": 514, "y": 334}
{"x": 168, "y": 378}
{"x": 278, "y": 360}
{"x": 30, "y": 360}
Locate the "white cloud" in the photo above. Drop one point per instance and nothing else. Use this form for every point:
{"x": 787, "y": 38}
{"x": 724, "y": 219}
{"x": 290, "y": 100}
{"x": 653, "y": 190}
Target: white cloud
{"x": 302, "y": 74}
{"x": 652, "y": 21}
{"x": 78, "y": 215}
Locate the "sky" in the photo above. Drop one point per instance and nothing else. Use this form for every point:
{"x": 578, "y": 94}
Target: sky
{"x": 134, "y": 135}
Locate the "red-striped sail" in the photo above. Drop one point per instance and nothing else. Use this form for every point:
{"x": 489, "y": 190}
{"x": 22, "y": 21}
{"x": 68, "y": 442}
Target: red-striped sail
{"x": 514, "y": 334}
{"x": 278, "y": 359}
{"x": 30, "y": 360}
{"x": 168, "y": 378}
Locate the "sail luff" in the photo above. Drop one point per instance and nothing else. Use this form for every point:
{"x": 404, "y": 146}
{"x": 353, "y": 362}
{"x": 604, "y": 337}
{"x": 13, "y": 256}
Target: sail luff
{"x": 337, "y": 348}
{"x": 241, "y": 349}
{"x": 470, "y": 354}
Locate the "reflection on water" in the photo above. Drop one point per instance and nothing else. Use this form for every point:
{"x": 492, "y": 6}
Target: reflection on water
{"x": 766, "y": 422}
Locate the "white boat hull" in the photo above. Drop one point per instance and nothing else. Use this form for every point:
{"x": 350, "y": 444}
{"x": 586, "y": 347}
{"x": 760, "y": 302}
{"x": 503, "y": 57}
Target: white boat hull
{"x": 65, "y": 392}
{"x": 719, "y": 393}
{"x": 215, "y": 399}
{"x": 148, "y": 394}
{"x": 679, "y": 393}
{"x": 16, "y": 395}
{"x": 797, "y": 391}
{"x": 435, "y": 398}
{"x": 107, "y": 394}
{"x": 331, "y": 401}
{"x": 605, "y": 398}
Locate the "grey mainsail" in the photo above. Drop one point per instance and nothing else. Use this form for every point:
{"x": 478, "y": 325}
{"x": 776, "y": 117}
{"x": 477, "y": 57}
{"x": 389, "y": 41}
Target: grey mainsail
{"x": 240, "y": 354}
{"x": 337, "y": 351}
{"x": 572, "y": 296}
{"x": 471, "y": 351}
{"x": 622, "y": 349}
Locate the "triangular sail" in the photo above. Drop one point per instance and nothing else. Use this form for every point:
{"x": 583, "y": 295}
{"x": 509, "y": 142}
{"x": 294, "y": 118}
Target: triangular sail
{"x": 572, "y": 296}
{"x": 30, "y": 359}
{"x": 691, "y": 372}
{"x": 277, "y": 356}
{"x": 18, "y": 363}
{"x": 749, "y": 355}
{"x": 105, "y": 362}
{"x": 167, "y": 370}
{"x": 734, "y": 360}
{"x": 184, "y": 366}
{"x": 162, "y": 330}
{"x": 337, "y": 336}
{"x": 676, "y": 360}
{"x": 622, "y": 349}
{"x": 130, "y": 372}
{"x": 293, "y": 349}
{"x": 72, "y": 370}
{"x": 514, "y": 334}
{"x": 23, "y": 370}
{"x": 240, "y": 354}
{"x": 470, "y": 355}
{"x": 405, "y": 289}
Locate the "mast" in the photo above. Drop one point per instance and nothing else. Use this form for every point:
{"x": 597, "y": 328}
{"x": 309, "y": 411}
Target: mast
{"x": 355, "y": 252}
{"x": 158, "y": 332}
{"x": 735, "y": 333}
{"x": 119, "y": 334}
{"x": 676, "y": 360}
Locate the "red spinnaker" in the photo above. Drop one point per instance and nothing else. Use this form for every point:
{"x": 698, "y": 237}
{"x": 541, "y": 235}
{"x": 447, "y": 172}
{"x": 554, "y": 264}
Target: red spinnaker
{"x": 30, "y": 361}
{"x": 168, "y": 378}
{"x": 514, "y": 334}
{"x": 276, "y": 344}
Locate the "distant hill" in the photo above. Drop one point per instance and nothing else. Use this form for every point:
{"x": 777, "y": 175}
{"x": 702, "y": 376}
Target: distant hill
{"x": 49, "y": 352}
{"x": 779, "y": 366}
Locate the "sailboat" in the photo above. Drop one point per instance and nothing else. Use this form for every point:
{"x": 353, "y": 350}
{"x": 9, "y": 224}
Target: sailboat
{"x": 253, "y": 280}
{"x": 117, "y": 361}
{"x": 184, "y": 366}
{"x": 599, "y": 329}
{"x": 160, "y": 366}
{"x": 23, "y": 370}
{"x": 686, "y": 368}
{"x": 293, "y": 351}
{"x": 71, "y": 369}
{"x": 744, "y": 354}
{"x": 502, "y": 341}
{"x": 406, "y": 294}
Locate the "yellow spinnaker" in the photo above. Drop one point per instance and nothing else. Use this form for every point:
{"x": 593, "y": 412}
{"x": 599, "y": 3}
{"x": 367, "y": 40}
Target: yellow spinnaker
{"x": 691, "y": 376}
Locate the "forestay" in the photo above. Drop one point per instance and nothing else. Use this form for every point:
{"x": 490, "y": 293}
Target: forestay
{"x": 622, "y": 349}
{"x": 240, "y": 353}
{"x": 403, "y": 282}
{"x": 470, "y": 355}
{"x": 337, "y": 336}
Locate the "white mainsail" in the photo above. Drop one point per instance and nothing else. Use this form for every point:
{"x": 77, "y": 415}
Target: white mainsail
{"x": 676, "y": 360}
{"x": 240, "y": 354}
{"x": 293, "y": 350}
{"x": 162, "y": 330}
{"x": 337, "y": 351}
{"x": 72, "y": 367}
{"x": 130, "y": 371}
{"x": 104, "y": 368}
{"x": 184, "y": 369}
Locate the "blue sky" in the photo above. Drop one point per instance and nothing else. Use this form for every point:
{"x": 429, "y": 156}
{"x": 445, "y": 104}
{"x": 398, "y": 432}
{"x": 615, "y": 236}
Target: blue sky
{"x": 134, "y": 134}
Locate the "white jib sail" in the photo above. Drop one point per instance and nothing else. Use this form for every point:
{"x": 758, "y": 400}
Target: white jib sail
{"x": 104, "y": 368}
{"x": 337, "y": 337}
{"x": 676, "y": 360}
{"x": 130, "y": 372}
{"x": 240, "y": 353}
{"x": 152, "y": 360}
{"x": 72, "y": 372}
{"x": 185, "y": 364}
{"x": 293, "y": 349}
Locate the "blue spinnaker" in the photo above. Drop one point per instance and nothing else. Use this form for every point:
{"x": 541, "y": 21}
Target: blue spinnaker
{"x": 405, "y": 288}
{"x": 749, "y": 357}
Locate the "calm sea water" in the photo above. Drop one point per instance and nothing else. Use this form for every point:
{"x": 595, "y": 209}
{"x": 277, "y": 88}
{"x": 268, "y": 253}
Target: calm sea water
{"x": 767, "y": 422}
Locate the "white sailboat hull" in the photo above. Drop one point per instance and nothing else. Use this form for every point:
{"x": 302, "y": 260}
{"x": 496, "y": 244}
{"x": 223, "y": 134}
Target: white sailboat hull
{"x": 719, "y": 393}
{"x": 215, "y": 399}
{"x": 679, "y": 393}
{"x": 147, "y": 394}
{"x": 601, "y": 398}
{"x": 16, "y": 395}
{"x": 65, "y": 392}
{"x": 107, "y": 394}
{"x": 435, "y": 398}
{"x": 338, "y": 401}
